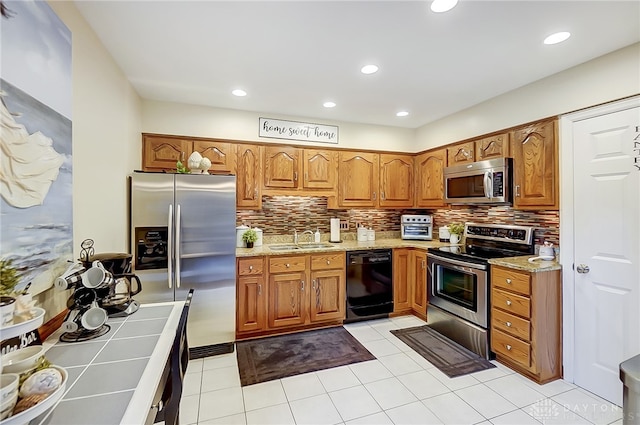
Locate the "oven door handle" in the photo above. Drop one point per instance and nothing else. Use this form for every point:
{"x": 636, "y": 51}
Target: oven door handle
{"x": 462, "y": 265}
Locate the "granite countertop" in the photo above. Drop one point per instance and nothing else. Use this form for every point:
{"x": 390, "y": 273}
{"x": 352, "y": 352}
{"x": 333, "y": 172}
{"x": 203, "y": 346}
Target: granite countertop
{"x": 346, "y": 245}
{"x": 522, "y": 263}
{"x": 114, "y": 377}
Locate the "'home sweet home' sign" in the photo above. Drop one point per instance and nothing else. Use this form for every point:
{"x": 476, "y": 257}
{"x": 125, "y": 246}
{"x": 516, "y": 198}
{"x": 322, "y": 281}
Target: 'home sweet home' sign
{"x": 293, "y": 130}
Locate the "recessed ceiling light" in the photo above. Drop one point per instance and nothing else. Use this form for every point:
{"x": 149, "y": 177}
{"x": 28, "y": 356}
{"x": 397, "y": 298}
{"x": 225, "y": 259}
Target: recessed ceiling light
{"x": 369, "y": 69}
{"x": 402, "y": 114}
{"x": 556, "y": 38}
{"x": 329, "y": 104}
{"x": 239, "y": 92}
{"x": 440, "y": 6}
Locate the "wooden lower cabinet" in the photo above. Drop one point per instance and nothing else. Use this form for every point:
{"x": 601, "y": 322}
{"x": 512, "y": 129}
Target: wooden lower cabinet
{"x": 251, "y": 298}
{"x": 526, "y": 322}
{"x": 293, "y": 292}
{"x": 419, "y": 292}
{"x": 409, "y": 281}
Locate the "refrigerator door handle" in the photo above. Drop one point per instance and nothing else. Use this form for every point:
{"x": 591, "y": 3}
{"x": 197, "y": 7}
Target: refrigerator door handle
{"x": 170, "y": 247}
{"x": 178, "y": 260}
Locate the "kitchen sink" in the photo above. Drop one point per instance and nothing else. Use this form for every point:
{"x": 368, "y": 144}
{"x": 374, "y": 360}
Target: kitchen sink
{"x": 285, "y": 247}
{"x": 288, "y": 247}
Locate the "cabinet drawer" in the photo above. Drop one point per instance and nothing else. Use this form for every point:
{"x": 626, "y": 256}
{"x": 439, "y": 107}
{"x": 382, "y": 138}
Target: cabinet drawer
{"x": 287, "y": 264}
{"x": 511, "y": 280}
{"x": 511, "y": 347}
{"x": 513, "y": 325}
{"x": 328, "y": 261}
{"x": 250, "y": 266}
{"x": 511, "y": 303}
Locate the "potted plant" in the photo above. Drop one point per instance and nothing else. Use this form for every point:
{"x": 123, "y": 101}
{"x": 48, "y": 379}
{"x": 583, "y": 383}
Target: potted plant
{"x": 456, "y": 230}
{"x": 249, "y": 237}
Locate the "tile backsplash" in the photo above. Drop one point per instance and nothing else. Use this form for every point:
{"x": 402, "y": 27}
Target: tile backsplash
{"x": 281, "y": 214}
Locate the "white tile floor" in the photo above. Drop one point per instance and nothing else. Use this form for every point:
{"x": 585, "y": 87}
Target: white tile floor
{"x": 399, "y": 387}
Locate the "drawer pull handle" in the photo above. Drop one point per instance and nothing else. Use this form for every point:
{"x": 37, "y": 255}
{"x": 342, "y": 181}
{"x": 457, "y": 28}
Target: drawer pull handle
{"x": 250, "y": 267}
{"x": 508, "y": 347}
{"x": 509, "y": 281}
{"x": 508, "y": 324}
{"x": 259, "y": 289}
{"x": 328, "y": 262}
{"x": 302, "y": 287}
{"x": 288, "y": 265}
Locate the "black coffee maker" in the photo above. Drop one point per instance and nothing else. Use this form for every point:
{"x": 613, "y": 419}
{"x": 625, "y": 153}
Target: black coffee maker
{"x": 117, "y": 299}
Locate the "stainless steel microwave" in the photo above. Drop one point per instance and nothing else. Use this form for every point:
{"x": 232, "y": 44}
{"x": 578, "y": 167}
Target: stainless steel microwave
{"x": 482, "y": 182}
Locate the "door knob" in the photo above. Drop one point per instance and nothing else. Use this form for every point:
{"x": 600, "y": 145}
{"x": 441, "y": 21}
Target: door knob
{"x": 583, "y": 269}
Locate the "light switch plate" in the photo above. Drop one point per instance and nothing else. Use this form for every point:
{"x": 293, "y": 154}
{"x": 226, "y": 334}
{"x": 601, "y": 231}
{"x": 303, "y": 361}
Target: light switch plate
{"x": 344, "y": 224}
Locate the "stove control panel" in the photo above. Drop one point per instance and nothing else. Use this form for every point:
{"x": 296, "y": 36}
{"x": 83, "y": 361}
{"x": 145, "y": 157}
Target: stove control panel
{"x": 499, "y": 232}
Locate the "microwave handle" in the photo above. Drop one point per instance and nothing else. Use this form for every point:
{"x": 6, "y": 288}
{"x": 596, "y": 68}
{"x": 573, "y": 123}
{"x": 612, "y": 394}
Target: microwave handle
{"x": 488, "y": 184}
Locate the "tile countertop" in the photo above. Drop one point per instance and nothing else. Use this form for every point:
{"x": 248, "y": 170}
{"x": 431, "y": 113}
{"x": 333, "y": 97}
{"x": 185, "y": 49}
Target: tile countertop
{"x": 114, "y": 377}
{"x": 342, "y": 246}
{"x": 522, "y": 263}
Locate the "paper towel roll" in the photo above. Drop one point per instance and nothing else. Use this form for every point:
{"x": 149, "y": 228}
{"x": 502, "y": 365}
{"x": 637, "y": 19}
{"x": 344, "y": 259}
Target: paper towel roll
{"x": 335, "y": 230}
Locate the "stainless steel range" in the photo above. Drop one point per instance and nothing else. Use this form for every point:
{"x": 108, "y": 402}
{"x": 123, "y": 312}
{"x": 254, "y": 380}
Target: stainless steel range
{"x": 458, "y": 281}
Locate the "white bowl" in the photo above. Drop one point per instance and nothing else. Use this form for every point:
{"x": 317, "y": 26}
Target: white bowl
{"x": 22, "y": 360}
{"x": 8, "y": 390}
{"x": 7, "y": 406}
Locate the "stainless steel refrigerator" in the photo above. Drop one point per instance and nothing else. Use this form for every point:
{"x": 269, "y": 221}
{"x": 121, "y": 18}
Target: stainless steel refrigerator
{"x": 182, "y": 236}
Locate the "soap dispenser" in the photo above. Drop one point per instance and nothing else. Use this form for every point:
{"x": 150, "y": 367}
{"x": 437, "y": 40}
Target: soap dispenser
{"x": 316, "y": 235}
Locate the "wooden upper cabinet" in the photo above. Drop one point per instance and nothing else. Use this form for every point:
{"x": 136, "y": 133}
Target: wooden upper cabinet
{"x": 221, "y": 154}
{"x": 535, "y": 163}
{"x": 461, "y": 153}
{"x": 320, "y": 169}
{"x": 162, "y": 153}
{"x": 429, "y": 170}
{"x": 281, "y": 167}
{"x": 248, "y": 187}
{"x": 496, "y": 146}
{"x": 358, "y": 185}
{"x": 396, "y": 180}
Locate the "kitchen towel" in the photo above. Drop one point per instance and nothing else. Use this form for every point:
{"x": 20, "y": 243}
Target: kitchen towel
{"x": 335, "y": 230}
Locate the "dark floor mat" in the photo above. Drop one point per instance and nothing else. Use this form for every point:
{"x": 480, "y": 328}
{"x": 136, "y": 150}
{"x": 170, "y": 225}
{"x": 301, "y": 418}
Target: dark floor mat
{"x": 277, "y": 357}
{"x": 451, "y": 358}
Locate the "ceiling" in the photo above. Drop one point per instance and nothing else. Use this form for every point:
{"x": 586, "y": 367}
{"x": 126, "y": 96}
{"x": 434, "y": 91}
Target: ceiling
{"x": 291, "y": 56}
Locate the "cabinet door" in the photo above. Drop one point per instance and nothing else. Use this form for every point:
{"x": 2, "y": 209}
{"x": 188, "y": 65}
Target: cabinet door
{"x": 320, "y": 169}
{"x": 492, "y": 147}
{"x": 327, "y": 297}
{"x": 535, "y": 163}
{"x": 248, "y": 189}
{"x": 221, "y": 154}
{"x": 281, "y": 167}
{"x": 287, "y": 299}
{"x": 429, "y": 168}
{"x": 396, "y": 180}
{"x": 162, "y": 153}
{"x": 358, "y": 175}
{"x": 401, "y": 280}
{"x": 251, "y": 304}
{"x": 419, "y": 295}
{"x": 462, "y": 153}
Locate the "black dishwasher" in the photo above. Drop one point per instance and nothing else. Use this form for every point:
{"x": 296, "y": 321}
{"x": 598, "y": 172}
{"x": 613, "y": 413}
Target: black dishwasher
{"x": 369, "y": 284}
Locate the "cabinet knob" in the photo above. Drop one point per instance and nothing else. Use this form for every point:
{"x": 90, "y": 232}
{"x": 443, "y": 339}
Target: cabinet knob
{"x": 250, "y": 267}
{"x": 508, "y": 347}
{"x": 328, "y": 262}
{"x": 508, "y": 302}
{"x": 509, "y": 281}
{"x": 508, "y": 324}
{"x": 288, "y": 265}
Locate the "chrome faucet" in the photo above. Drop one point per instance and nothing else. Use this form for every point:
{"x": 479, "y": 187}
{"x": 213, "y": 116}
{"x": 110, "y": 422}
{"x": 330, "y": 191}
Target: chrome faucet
{"x": 296, "y": 237}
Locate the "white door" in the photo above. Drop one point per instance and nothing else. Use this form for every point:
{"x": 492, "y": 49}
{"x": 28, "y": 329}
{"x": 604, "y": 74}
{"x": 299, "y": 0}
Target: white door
{"x": 606, "y": 218}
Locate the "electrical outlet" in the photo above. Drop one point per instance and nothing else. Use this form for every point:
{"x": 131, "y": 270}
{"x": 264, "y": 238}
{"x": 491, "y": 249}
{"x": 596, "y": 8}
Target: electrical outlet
{"x": 344, "y": 224}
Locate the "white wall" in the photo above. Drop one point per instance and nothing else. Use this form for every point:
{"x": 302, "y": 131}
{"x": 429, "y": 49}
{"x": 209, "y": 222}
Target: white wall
{"x": 202, "y": 121}
{"x": 106, "y": 138}
{"x": 610, "y": 77}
